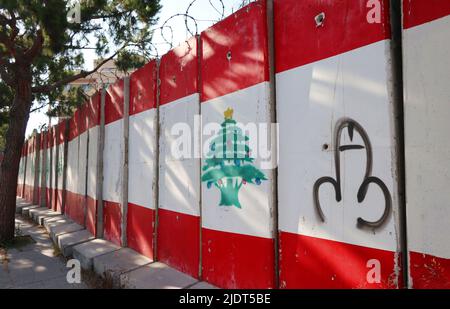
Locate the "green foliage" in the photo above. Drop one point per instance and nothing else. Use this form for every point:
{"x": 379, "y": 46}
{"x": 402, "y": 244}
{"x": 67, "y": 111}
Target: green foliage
{"x": 6, "y": 97}
{"x": 246, "y": 172}
{"x": 107, "y": 26}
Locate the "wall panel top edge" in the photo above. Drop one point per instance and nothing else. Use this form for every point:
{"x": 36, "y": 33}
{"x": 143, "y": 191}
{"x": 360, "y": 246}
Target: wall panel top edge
{"x": 178, "y": 72}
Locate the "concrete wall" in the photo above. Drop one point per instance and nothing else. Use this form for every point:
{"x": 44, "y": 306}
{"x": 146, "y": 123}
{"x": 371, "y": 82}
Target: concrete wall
{"x": 94, "y": 153}
{"x": 112, "y": 163}
{"x": 76, "y": 165}
{"x": 54, "y": 169}
{"x": 330, "y": 214}
{"x": 237, "y": 213}
{"x": 48, "y": 167}
{"x": 60, "y": 164}
{"x": 179, "y": 178}
{"x": 142, "y": 160}
{"x": 31, "y": 171}
{"x": 426, "y": 67}
{"x": 22, "y": 171}
{"x": 337, "y": 177}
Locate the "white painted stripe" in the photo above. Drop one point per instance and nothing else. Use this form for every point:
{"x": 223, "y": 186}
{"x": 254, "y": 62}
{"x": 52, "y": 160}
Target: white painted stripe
{"x": 92, "y": 162}
{"x": 179, "y": 185}
{"x": 112, "y": 162}
{"x": 82, "y": 153}
{"x": 72, "y": 165}
{"x": 141, "y": 158}
{"x": 250, "y": 105}
{"x": 60, "y": 169}
{"x": 54, "y": 168}
{"x": 427, "y": 146}
{"x": 48, "y": 184}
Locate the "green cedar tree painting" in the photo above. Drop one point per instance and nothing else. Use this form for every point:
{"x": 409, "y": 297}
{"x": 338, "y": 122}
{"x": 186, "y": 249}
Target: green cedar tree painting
{"x": 228, "y": 165}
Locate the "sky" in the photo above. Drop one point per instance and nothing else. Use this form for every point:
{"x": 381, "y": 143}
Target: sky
{"x": 206, "y": 13}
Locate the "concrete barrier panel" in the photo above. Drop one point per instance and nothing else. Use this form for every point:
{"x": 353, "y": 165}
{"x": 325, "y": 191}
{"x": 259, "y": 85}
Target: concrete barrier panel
{"x": 113, "y": 161}
{"x": 31, "y": 169}
{"x": 93, "y": 117}
{"x": 48, "y": 166}
{"x": 76, "y": 165}
{"x": 54, "y": 168}
{"x": 59, "y": 164}
{"x": 142, "y": 160}
{"x": 178, "y": 241}
{"x": 27, "y": 172}
{"x": 337, "y": 185}
{"x": 40, "y": 169}
{"x": 43, "y": 169}
{"x": 426, "y": 65}
{"x": 237, "y": 202}
{"x": 72, "y": 167}
{"x": 21, "y": 177}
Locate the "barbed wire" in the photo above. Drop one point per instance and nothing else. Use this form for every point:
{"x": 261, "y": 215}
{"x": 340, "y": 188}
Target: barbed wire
{"x": 191, "y": 24}
{"x": 187, "y": 22}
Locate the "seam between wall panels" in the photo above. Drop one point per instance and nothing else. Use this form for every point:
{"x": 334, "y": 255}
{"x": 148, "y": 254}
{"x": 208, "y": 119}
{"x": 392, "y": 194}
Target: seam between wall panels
{"x": 100, "y": 150}
{"x": 273, "y": 119}
{"x": 126, "y": 112}
{"x": 66, "y": 148}
{"x": 199, "y": 83}
{"x": 399, "y": 129}
{"x": 156, "y": 165}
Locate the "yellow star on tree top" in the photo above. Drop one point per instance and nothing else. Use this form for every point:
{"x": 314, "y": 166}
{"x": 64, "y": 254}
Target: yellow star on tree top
{"x": 228, "y": 114}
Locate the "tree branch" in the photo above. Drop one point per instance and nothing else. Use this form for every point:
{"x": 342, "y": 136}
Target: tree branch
{"x": 69, "y": 79}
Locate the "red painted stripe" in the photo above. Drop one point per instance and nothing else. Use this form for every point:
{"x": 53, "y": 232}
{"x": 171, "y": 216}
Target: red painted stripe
{"x": 114, "y": 102}
{"x": 418, "y": 12}
{"x": 42, "y": 193}
{"x": 112, "y": 218}
{"x": 429, "y": 272}
{"x": 93, "y": 110}
{"x": 315, "y": 263}
{"x": 26, "y": 192}
{"x": 53, "y": 201}
{"x": 42, "y": 140}
{"x": 48, "y": 201}
{"x": 233, "y": 261}
{"x": 179, "y": 241}
{"x": 140, "y": 226}
{"x": 143, "y": 88}
{"x": 91, "y": 215}
{"x": 83, "y": 120}
{"x": 243, "y": 37}
{"x": 73, "y": 126}
{"x": 59, "y": 200}
{"x": 299, "y": 41}
{"x": 60, "y": 132}
{"x": 75, "y": 207}
{"x": 178, "y": 72}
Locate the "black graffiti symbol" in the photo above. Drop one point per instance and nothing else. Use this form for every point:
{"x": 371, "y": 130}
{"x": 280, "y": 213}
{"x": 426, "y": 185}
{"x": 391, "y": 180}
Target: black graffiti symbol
{"x": 352, "y": 126}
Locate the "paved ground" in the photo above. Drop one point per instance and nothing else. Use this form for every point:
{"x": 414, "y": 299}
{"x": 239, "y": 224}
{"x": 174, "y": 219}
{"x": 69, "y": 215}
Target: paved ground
{"x": 35, "y": 265}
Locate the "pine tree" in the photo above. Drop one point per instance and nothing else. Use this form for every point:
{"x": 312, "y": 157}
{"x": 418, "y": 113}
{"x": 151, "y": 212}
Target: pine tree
{"x": 228, "y": 165}
{"x": 41, "y": 51}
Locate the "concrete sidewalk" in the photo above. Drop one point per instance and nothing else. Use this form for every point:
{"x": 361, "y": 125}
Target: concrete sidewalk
{"x": 35, "y": 264}
{"x": 121, "y": 267}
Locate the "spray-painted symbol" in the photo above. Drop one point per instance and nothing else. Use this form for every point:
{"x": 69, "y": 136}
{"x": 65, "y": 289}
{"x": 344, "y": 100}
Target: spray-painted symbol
{"x": 352, "y": 126}
{"x": 228, "y": 166}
